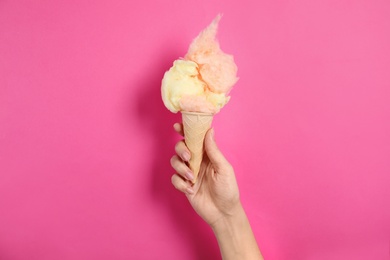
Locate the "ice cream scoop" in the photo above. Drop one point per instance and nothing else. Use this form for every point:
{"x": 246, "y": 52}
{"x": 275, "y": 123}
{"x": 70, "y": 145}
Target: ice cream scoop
{"x": 198, "y": 86}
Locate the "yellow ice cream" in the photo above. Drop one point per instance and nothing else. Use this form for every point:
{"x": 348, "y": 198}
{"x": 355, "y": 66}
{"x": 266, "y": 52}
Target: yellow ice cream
{"x": 184, "y": 90}
{"x": 202, "y": 80}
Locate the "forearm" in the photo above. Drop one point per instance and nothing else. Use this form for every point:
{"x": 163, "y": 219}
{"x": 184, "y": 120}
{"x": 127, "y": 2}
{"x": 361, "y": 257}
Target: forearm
{"x": 235, "y": 237}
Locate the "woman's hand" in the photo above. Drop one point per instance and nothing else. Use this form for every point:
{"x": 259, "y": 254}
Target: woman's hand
{"x": 215, "y": 195}
{"x": 216, "y": 199}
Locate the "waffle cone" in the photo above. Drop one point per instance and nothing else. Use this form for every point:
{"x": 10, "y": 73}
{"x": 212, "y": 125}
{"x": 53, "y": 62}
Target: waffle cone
{"x": 195, "y": 127}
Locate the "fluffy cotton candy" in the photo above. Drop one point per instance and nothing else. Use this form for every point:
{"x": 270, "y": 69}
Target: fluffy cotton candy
{"x": 183, "y": 90}
{"x": 217, "y": 68}
{"x": 201, "y": 82}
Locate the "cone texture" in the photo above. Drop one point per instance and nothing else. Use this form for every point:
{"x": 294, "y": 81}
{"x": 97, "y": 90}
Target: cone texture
{"x": 195, "y": 127}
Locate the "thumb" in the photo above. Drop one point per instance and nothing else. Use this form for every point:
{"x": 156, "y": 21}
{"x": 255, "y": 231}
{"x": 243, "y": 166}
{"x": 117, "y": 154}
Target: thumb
{"x": 216, "y": 157}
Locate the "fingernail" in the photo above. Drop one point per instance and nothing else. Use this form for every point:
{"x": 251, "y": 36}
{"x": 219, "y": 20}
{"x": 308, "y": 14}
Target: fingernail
{"x": 212, "y": 133}
{"x": 189, "y": 176}
{"x": 189, "y": 190}
{"x": 186, "y": 156}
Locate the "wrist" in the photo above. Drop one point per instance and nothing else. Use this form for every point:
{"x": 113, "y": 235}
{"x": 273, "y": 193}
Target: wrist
{"x": 235, "y": 217}
{"x": 235, "y": 236}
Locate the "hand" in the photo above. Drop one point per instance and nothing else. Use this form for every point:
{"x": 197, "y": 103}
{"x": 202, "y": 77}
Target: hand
{"x": 215, "y": 195}
{"x": 215, "y": 198}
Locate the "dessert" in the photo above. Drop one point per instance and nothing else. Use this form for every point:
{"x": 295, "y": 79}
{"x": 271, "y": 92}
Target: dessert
{"x": 198, "y": 86}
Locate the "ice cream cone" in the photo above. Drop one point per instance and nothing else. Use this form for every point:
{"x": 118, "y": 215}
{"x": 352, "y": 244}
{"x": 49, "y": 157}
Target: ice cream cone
{"x": 195, "y": 127}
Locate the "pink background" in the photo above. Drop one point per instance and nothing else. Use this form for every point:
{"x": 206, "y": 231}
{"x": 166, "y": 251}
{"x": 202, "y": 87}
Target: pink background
{"x": 85, "y": 140}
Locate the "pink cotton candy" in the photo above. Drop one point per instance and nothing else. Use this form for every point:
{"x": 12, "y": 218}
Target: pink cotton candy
{"x": 216, "y": 68}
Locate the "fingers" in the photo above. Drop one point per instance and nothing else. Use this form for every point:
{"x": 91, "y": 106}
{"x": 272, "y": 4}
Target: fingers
{"x": 181, "y": 168}
{"x": 216, "y": 157}
{"x": 181, "y": 185}
{"x": 179, "y": 128}
{"x": 182, "y": 150}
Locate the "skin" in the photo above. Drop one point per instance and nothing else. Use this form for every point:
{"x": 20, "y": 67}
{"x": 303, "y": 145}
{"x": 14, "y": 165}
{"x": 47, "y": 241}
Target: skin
{"x": 215, "y": 197}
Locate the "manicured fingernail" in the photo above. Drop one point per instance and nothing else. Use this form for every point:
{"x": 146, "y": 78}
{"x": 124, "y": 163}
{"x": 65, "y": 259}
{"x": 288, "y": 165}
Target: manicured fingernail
{"x": 212, "y": 133}
{"x": 186, "y": 156}
{"x": 190, "y": 190}
{"x": 189, "y": 176}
